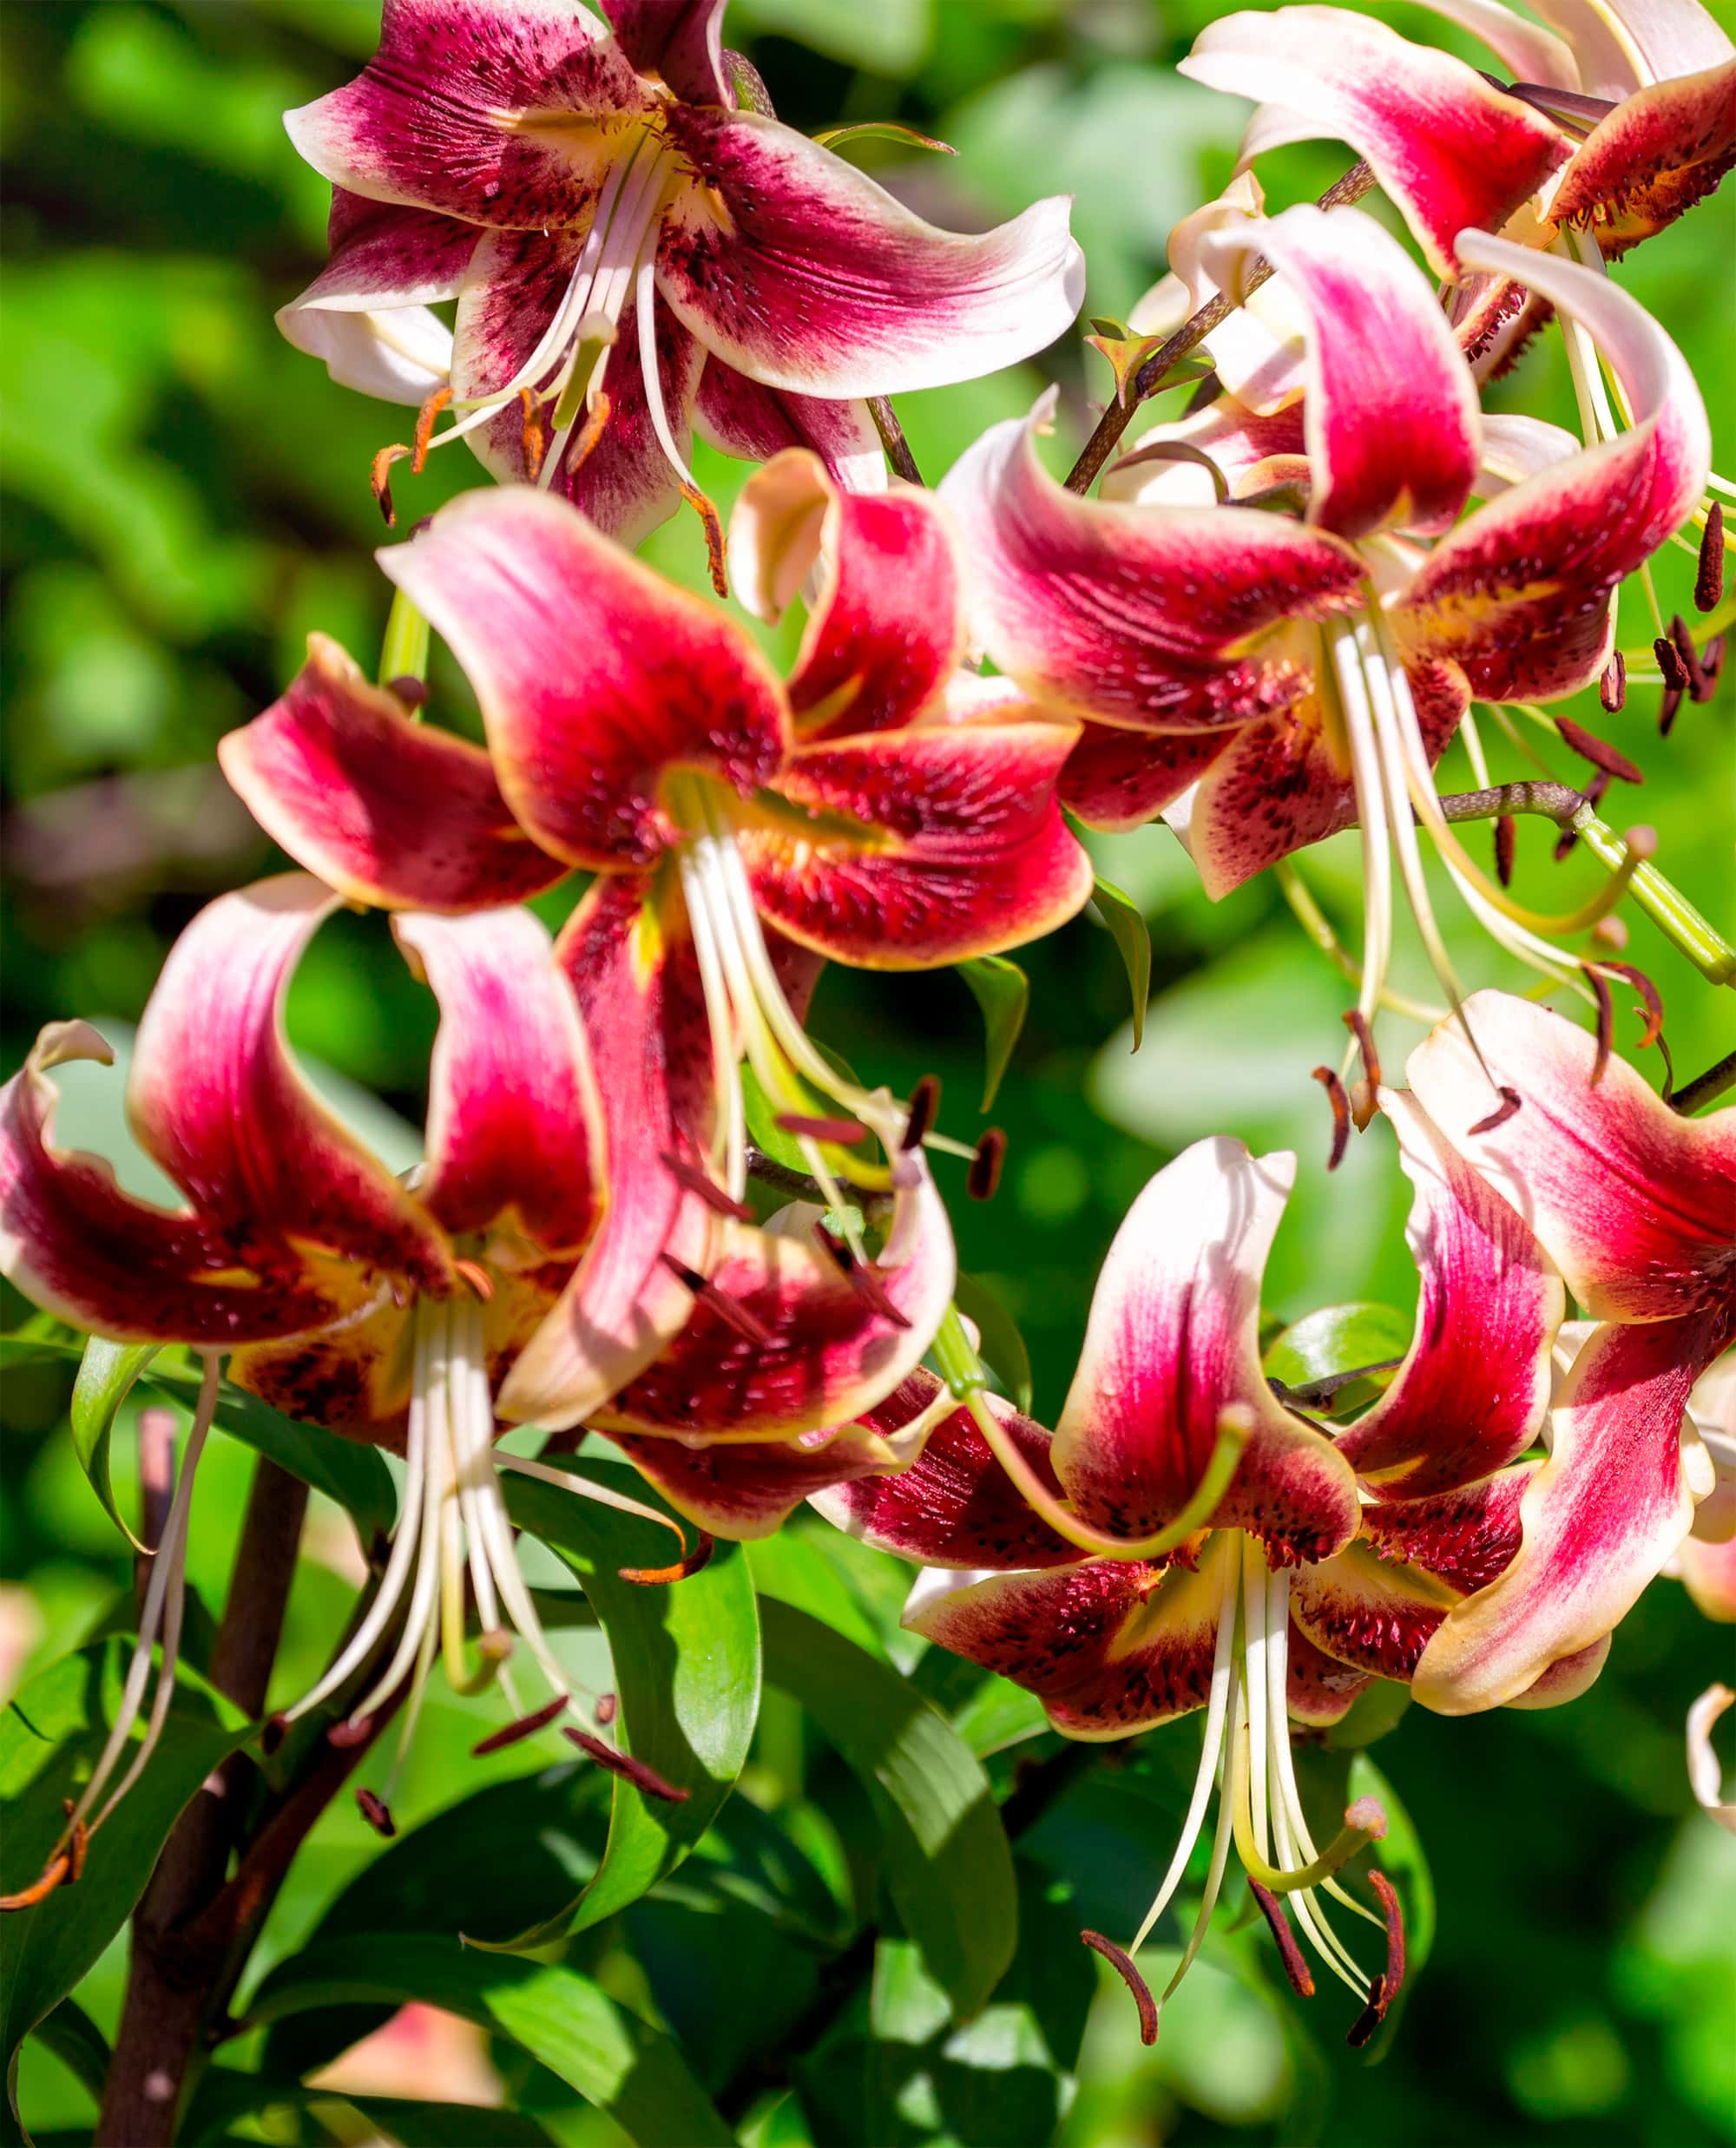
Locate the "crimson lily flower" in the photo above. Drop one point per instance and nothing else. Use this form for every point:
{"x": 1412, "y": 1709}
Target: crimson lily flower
{"x": 1640, "y": 96}
{"x": 851, "y": 813}
{"x": 1268, "y": 680}
{"x": 633, "y": 243}
{"x": 1637, "y": 1206}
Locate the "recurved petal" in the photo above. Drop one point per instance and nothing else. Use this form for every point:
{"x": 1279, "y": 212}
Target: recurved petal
{"x": 1466, "y": 1536}
{"x": 1473, "y": 1391}
{"x": 472, "y": 108}
{"x": 1566, "y": 1678}
{"x": 1704, "y": 1774}
{"x": 802, "y": 1347}
{"x": 801, "y": 271}
{"x": 1375, "y": 1614}
{"x": 596, "y": 678}
{"x": 1158, "y": 618}
{"x": 742, "y": 417}
{"x": 680, "y": 40}
{"x": 1117, "y": 779}
{"x": 215, "y": 1097}
{"x": 1172, "y": 1343}
{"x": 1622, "y": 45}
{"x": 1389, "y": 413}
{"x": 886, "y": 627}
{"x": 1599, "y": 1519}
{"x": 1448, "y": 147}
{"x": 1517, "y": 594}
{"x": 1319, "y": 1691}
{"x": 1110, "y": 1647}
{"x": 1707, "y": 1572}
{"x": 632, "y": 964}
{"x": 82, "y": 1249}
{"x": 926, "y": 847}
{"x": 1243, "y": 453}
{"x": 350, "y": 1373}
{"x": 1635, "y": 1204}
{"x": 515, "y": 1124}
{"x": 384, "y": 809}
{"x": 1658, "y": 153}
{"x": 1528, "y": 54}
{"x": 955, "y": 1507}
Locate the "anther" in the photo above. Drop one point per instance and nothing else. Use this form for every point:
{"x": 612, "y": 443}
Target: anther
{"x": 1667, "y": 707}
{"x": 477, "y": 1276}
{"x": 1606, "y": 1020}
{"x": 1712, "y": 661}
{"x": 1708, "y": 581}
{"x": 1611, "y": 687}
{"x": 1670, "y": 663}
{"x": 664, "y": 1577}
{"x": 705, "y": 1188}
{"x": 642, "y": 1778}
{"x": 1295, "y": 1964}
{"x": 1590, "y": 747}
{"x": 1652, "y": 1009}
{"x": 1341, "y": 1115}
{"x": 714, "y": 535}
{"x": 607, "y": 1708}
{"x": 595, "y": 424}
{"x": 860, "y": 1274}
{"x": 1361, "y": 2031}
{"x": 1383, "y": 1988}
{"x": 1357, "y": 1023}
{"x": 925, "y": 1107}
{"x": 424, "y": 434}
{"x": 1506, "y": 844}
{"x": 409, "y": 689}
{"x": 271, "y": 1736}
{"x": 531, "y": 435}
{"x": 1698, "y": 686}
{"x": 353, "y": 1730}
{"x": 58, "y": 1869}
{"x": 727, "y": 1310}
{"x": 1510, "y": 1101}
{"x": 377, "y": 1813}
{"x": 381, "y": 480}
{"x": 1122, "y": 1963}
{"x": 841, "y": 1132}
{"x": 526, "y": 1726}
{"x": 984, "y": 1175}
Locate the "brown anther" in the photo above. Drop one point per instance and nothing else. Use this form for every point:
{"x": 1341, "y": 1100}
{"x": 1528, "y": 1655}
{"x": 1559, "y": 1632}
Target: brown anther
{"x": 54, "y": 1873}
{"x": 1611, "y": 687}
{"x": 925, "y": 1107}
{"x": 642, "y": 1778}
{"x": 1590, "y": 747}
{"x": 1356, "y": 1023}
{"x": 1506, "y": 845}
{"x": 607, "y": 1708}
{"x": 78, "y": 1848}
{"x": 984, "y": 1177}
{"x": 409, "y": 689}
{"x": 664, "y": 1577}
{"x": 1341, "y": 1115}
{"x": 595, "y": 424}
{"x": 1295, "y": 1963}
{"x": 1708, "y": 581}
{"x": 353, "y": 1730}
{"x": 377, "y": 1813}
{"x": 1653, "y": 1007}
{"x": 1510, "y": 1101}
{"x": 274, "y": 1732}
{"x": 1606, "y": 1020}
{"x": 860, "y": 1274}
{"x": 841, "y": 1132}
{"x": 704, "y": 1187}
{"x": 1361, "y": 2031}
{"x": 424, "y": 434}
{"x": 531, "y": 436}
{"x": 1122, "y": 1963}
{"x": 1712, "y": 661}
{"x": 732, "y": 1314}
{"x": 714, "y": 534}
{"x": 381, "y": 480}
{"x": 1676, "y": 672}
{"x": 1667, "y": 707}
{"x": 526, "y": 1726}
{"x": 1386, "y": 1988}
{"x": 477, "y": 1276}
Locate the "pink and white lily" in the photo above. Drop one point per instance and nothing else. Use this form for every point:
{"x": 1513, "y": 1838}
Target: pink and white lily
{"x": 635, "y": 244}
{"x": 741, "y": 828}
{"x": 1268, "y": 678}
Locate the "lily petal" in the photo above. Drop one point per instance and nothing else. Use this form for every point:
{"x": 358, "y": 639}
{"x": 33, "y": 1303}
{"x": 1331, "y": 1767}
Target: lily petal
{"x": 633, "y": 967}
{"x": 1480, "y": 598}
{"x": 366, "y": 314}
{"x": 926, "y": 847}
{"x": 741, "y": 417}
{"x": 1659, "y": 152}
{"x": 515, "y": 1124}
{"x": 1319, "y": 1690}
{"x": 816, "y": 1352}
{"x": 804, "y": 274}
{"x": 1467, "y": 1536}
{"x": 885, "y": 628}
{"x": 1635, "y": 1204}
{"x": 1356, "y": 82}
{"x": 1474, "y": 1389}
{"x": 384, "y": 809}
{"x": 596, "y": 678}
{"x": 1116, "y": 779}
{"x": 1528, "y": 54}
{"x": 1600, "y": 1517}
{"x": 1706, "y": 1777}
{"x": 1153, "y": 618}
{"x": 1622, "y": 46}
{"x": 1375, "y": 1614}
{"x": 680, "y": 40}
{"x": 216, "y": 1098}
{"x": 1110, "y": 1647}
{"x": 468, "y": 107}
{"x": 1391, "y": 413}
{"x": 1172, "y": 1343}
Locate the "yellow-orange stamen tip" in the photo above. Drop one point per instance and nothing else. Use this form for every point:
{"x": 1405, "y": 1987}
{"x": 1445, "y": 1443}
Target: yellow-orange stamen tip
{"x": 477, "y": 1276}
{"x": 531, "y": 434}
{"x": 380, "y": 481}
{"x": 424, "y": 428}
{"x": 595, "y": 424}
{"x": 714, "y": 535}
{"x": 663, "y": 1576}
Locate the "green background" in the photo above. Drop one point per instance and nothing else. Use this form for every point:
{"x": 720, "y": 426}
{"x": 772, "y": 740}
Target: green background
{"x": 185, "y": 497}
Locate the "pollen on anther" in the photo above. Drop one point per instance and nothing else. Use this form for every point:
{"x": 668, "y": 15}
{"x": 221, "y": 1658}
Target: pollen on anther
{"x": 1122, "y": 1963}
{"x": 375, "y": 1811}
{"x": 1295, "y": 1963}
{"x": 984, "y": 1175}
{"x": 1341, "y": 1115}
{"x": 1708, "y": 581}
{"x": 1670, "y": 665}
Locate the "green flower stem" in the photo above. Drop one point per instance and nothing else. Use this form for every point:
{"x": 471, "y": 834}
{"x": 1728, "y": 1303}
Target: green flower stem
{"x": 404, "y": 652}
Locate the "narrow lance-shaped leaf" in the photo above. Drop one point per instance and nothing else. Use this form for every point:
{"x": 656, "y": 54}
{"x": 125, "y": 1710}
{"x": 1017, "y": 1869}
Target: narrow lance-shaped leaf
{"x": 1003, "y": 991}
{"x": 1127, "y": 928}
{"x": 106, "y": 1374}
{"x": 1338, "y": 1339}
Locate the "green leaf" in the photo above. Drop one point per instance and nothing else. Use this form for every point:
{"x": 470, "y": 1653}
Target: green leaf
{"x": 1338, "y": 1339}
{"x": 49, "y": 1739}
{"x": 615, "y": 2061}
{"x": 948, "y": 1866}
{"x": 686, "y": 1669}
{"x": 1127, "y": 928}
{"x": 763, "y": 1129}
{"x": 792, "y": 1567}
{"x": 68, "y": 2031}
{"x": 1003, "y": 991}
{"x": 989, "y": 1713}
{"x": 1002, "y": 1343}
{"x": 106, "y": 1374}
{"x": 881, "y": 130}
{"x": 414, "y": 2125}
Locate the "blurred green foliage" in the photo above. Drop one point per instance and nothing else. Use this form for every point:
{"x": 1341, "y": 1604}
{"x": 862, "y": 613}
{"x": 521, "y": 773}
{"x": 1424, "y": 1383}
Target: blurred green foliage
{"x": 185, "y": 497}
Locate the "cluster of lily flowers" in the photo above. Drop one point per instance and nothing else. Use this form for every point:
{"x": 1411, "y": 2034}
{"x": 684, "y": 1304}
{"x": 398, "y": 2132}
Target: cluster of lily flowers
{"x": 1267, "y": 626}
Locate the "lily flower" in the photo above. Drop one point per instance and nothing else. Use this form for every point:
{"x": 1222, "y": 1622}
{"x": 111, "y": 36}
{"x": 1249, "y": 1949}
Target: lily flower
{"x": 1639, "y": 95}
{"x": 1705, "y": 1563}
{"x": 387, "y": 1309}
{"x": 740, "y": 829}
{"x": 635, "y": 242}
{"x": 1637, "y": 1207}
{"x": 1268, "y": 678}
